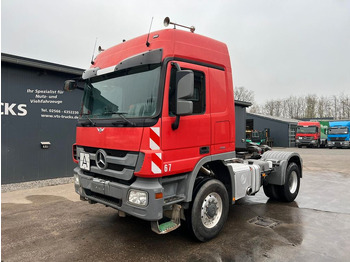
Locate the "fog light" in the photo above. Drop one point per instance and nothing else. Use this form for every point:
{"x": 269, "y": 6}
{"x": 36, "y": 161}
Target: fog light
{"x": 137, "y": 197}
{"x": 76, "y": 180}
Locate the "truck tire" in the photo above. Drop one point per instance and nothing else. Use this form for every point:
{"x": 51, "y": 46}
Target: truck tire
{"x": 317, "y": 145}
{"x": 209, "y": 210}
{"x": 271, "y": 191}
{"x": 289, "y": 191}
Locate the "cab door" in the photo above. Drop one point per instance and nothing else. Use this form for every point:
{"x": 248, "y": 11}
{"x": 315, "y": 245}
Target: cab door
{"x": 185, "y": 146}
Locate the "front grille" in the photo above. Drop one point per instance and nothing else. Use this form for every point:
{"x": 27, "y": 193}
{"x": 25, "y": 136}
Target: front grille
{"x": 110, "y": 152}
{"x": 306, "y": 138}
{"x": 337, "y": 138}
{"x": 120, "y": 165}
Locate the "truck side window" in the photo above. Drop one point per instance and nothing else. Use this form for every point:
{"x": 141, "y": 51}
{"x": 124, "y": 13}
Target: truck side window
{"x": 198, "y": 97}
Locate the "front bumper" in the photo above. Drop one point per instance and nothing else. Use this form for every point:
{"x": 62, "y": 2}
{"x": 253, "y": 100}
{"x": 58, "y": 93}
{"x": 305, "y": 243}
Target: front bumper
{"x": 338, "y": 144}
{"x": 115, "y": 195}
{"x": 305, "y": 142}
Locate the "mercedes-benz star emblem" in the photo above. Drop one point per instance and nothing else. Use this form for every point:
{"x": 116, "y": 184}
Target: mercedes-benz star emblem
{"x": 101, "y": 157}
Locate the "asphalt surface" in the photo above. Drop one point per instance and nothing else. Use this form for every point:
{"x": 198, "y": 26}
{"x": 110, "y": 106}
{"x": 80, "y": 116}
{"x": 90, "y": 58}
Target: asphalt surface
{"x": 52, "y": 224}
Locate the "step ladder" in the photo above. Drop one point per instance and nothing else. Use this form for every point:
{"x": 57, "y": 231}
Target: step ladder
{"x": 168, "y": 226}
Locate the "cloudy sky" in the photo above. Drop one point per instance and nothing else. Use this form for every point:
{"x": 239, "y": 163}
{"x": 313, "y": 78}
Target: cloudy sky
{"x": 278, "y": 48}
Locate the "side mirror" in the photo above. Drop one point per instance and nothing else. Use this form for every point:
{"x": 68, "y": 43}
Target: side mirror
{"x": 70, "y": 85}
{"x": 184, "y": 92}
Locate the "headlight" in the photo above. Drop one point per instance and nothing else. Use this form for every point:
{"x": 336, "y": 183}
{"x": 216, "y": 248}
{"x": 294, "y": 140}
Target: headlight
{"x": 137, "y": 197}
{"x": 76, "y": 180}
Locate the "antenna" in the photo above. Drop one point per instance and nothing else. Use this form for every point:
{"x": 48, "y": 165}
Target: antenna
{"x": 166, "y": 22}
{"x": 93, "y": 53}
{"x": 149, "y": 31}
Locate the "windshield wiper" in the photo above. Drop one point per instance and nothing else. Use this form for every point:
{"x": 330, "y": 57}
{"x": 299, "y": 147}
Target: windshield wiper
{"x": 92, "y": 122}
{"x": 121, "y": 114}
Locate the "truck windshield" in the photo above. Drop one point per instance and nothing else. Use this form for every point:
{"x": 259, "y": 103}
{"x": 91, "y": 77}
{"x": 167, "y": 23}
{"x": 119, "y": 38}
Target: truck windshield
{"x": 129, "y": 93}
{"x": 306, "y": 129}
{"x": 338, "y": 130}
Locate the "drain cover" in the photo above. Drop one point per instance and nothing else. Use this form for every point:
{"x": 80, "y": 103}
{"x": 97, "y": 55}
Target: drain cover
{"x": 264, "y": 221}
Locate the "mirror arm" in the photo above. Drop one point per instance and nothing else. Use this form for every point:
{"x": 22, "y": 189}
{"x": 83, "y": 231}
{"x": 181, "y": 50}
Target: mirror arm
{"x": 175, "y": 125}
{"x": 178, "y": 68}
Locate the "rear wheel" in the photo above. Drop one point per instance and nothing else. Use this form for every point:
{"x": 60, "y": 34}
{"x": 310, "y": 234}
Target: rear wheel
{"x": 271, "y": 191}
{"x": 289, "y": 191}
{"x": 209, "y": 210}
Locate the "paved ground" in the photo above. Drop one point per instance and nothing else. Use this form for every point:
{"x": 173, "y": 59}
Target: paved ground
{"x": 51, "y": 224}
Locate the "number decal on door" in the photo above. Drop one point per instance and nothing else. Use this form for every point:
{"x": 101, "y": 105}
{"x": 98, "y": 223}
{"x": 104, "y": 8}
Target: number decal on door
{"x": 167, "y": 168}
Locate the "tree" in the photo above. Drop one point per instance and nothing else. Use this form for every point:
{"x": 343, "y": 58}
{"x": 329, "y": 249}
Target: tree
{"x": 243, "y": 94}
{"x": 310, "y": 106}
{"x": 311, "y": 103}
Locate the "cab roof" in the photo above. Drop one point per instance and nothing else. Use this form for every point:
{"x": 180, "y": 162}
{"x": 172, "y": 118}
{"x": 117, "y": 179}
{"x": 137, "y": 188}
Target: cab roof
{"x": 175, "y": 43}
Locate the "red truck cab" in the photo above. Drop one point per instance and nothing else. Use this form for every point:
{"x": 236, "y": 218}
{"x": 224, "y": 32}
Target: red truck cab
{"x": 157, "y": 134}
{"x": 131, "y": 127}
{"x": 308, "y": 134}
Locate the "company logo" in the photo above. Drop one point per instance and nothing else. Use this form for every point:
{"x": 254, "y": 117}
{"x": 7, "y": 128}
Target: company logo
{"x": 13, "y": 109}
{"x": 101, "y": 159}
{"x": 100, "y": 129}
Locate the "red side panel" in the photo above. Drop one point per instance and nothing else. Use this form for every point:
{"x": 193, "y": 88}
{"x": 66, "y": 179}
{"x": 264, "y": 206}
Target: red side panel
{"x": 182, "y": 146}
{"x": 222, "y": 112}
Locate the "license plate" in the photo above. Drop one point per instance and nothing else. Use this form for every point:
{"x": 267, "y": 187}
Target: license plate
{"x": 84, "y": 162}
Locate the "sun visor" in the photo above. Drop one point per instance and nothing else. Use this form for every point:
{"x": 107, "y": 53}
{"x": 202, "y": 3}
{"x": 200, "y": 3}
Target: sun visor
{"x": 146, "y": 58}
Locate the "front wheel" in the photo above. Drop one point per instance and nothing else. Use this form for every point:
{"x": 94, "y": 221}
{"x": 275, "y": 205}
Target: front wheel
{"x": 209, "y": 210}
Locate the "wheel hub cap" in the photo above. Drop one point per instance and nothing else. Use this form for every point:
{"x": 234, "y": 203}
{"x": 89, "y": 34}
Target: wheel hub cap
{"x": 211, "y": 210}
{"x": 293, "y": 182}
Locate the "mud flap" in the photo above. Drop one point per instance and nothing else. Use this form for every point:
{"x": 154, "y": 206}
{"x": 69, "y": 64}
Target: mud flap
{"x": 168, "y": 226}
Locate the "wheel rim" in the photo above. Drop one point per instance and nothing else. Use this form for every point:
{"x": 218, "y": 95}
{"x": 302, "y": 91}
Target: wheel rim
{"x": 211, "y": 210}
{"x": 293, "y": 182}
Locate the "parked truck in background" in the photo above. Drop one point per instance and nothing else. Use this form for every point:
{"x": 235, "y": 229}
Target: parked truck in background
{"x": 324, "y": 131}
{"x": 309, "y": 134}
{"x": 338, "y": 134}
{"x": 156, "y": 135}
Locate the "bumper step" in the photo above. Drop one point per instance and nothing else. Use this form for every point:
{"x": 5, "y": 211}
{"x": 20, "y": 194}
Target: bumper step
{"x": 168, "y": 226}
